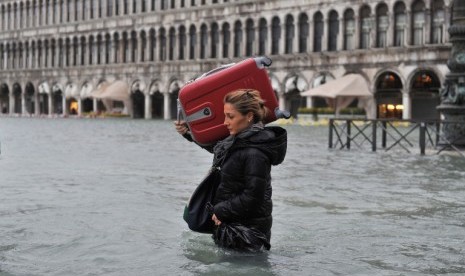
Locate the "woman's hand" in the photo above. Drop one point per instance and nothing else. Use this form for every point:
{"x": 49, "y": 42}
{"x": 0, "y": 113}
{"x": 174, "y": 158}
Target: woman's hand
{"x": 181, "y": 127}
{"x": 216, "y": 220}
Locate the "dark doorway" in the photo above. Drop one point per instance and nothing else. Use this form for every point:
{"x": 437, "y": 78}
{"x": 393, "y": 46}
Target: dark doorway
{"x": 138, "y": 104}
{"x": 157, "y": 105}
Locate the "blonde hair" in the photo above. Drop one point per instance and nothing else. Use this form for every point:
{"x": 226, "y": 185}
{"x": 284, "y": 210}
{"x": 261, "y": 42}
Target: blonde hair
{"x": 248, "y": 100}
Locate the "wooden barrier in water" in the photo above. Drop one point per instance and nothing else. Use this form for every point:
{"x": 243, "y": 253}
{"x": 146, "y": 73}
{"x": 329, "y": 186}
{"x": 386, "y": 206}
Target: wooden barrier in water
{"x": 406, "y": 134}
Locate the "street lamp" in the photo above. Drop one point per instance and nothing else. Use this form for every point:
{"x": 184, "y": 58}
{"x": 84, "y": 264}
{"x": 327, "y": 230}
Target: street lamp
{"x": 452, "y": 105}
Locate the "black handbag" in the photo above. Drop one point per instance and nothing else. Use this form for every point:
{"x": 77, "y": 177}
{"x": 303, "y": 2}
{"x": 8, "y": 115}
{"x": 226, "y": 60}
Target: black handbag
{"x": 239, "y": 237}
{"x": 198, "y": 211}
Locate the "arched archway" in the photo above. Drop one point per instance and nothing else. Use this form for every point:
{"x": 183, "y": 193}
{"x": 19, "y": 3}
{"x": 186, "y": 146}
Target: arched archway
{"x": 29, "y": 97}
{"x": 71, "y": 93}
{"x": 424, "y": 93}
{"x": 57, "y": 98}
{"x": 388, "y": 96}
{"x": 4, "y": 99}
{"x": 138, "y": 104}
{"x": 87, "y": 102}
{"x": 44, "y": 92}
{"x": 138, "y": 100}
{"x": 157, "y": 106}
{"x": 73, "y": 106}
{"x": 17, "y": 98}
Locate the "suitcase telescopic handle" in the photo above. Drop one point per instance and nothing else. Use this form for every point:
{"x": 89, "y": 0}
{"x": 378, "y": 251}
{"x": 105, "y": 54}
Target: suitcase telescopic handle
{"x": 261, "y": 62}
{"x": 222, "y": 67}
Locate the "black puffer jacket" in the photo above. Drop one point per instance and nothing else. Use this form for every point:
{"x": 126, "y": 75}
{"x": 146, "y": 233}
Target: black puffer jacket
{"x": 244, "y": 194}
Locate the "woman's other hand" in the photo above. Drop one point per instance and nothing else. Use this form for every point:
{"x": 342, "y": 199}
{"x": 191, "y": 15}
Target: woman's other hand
{"x": 181, "y": 127}
{"x": 216, "y": 220}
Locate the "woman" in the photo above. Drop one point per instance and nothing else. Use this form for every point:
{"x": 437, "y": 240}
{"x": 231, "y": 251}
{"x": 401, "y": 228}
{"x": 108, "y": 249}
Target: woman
{"x": 243, "y": 199}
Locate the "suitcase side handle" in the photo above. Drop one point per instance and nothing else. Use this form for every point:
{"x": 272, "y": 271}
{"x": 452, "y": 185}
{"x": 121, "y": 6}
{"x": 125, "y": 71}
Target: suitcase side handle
{"x": 263, "y": 61}
{"x": 281, "y": 114}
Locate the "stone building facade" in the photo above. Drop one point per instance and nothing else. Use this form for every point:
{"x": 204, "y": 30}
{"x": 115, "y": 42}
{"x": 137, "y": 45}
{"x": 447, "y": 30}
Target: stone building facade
{"x": 57, "y": 55}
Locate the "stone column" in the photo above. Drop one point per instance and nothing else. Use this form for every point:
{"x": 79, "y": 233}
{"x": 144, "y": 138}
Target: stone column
{"x": 324, "y": 41}
{"x": 36, "y": 101}
{"x": 282, "y": 39}
{"x": 65, "y": 9}
{"x": 427, "y": 27}
{"x": 50, "y": 103}
{"x": 311, "y": 30}
{"x": 148, "y": 106}
{"x": 139, "y": 48}
{"x": 63, "y": 104}
{"x": 256, "y": 39}
{"x": 407, "y": 30}
{"x": 58, "y": 50}
{"x": 25, "y": 55}
{"x": 309, "y": 102}
{"x": 104, "y": 9}
{"x": 79, "y": 101}
{"x": 166, "y": 106}
{"x": 447, "y": 14}
{"x": 340, "y": 34}
{"x": 177, "y": 44}
{"x": 11, "y": 98}
{"x": 407, "y": 103}
{"x": 94, "y": 50}
{"x": 390, "y": 30}
{"x": 49, "y": 56}
{"x": 357, "y": 34}
{"x": 23, "y": 101}
{"x": 79, "y": 53}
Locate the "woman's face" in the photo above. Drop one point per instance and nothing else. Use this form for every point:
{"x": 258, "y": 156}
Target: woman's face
{"x": 234, "y": 120}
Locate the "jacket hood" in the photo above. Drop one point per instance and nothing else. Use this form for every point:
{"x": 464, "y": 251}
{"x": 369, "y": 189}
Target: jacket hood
{"x": 272, "y": 140}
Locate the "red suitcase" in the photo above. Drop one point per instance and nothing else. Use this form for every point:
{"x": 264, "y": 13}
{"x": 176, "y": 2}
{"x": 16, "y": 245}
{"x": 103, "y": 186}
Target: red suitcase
{"x": 200, "y": 102}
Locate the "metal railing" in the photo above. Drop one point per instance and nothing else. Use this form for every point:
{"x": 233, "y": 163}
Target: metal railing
{"x": 404, "y": 134}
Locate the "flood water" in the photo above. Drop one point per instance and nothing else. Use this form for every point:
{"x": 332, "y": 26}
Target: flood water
{"x": 106, "y": 196}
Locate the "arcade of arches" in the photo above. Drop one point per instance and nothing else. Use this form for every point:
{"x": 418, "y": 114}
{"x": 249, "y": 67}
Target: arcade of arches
{"x": 414, "y": 97}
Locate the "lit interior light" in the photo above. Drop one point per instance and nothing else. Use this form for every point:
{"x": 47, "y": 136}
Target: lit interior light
{"x": 73, "y": 106}
{"x": 399, "y": 107}
{"x": 390, "y": 107}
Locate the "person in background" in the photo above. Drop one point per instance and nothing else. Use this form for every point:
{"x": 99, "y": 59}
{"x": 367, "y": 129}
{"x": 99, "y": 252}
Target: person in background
{"x": 244, "y": 195}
